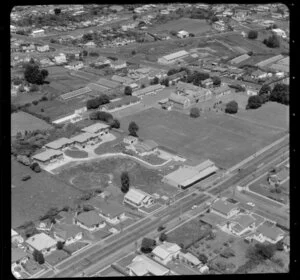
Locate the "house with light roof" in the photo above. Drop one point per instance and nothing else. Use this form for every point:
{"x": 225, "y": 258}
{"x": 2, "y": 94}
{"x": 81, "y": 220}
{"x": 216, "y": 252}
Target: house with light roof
{"x": 42, "y": 243}
{"x": 224, "y": 208}
{"x": 165, "y": 252}
{"x": 137, "y": 198}
{"x": 90, "y": 220}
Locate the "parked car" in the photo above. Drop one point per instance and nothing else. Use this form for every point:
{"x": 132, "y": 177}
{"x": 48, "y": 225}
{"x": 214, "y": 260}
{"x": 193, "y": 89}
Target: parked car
{"x": 251, "y": 204}
{"x": 26, "y": 177}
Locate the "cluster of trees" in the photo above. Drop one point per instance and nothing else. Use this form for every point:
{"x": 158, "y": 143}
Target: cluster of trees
{"x": 165, "y": 82}
{"x": 125, "y": 182}
{"x": 38, "y": 256}
{"x": 232, "y": 107}
{"x": 196, "y": 78}
{"x": 280, "y": 94}
{"x": 261, "y": 252}
{"x": 147, "y": 245}
{"x": 216, "y": 81}
{"x": 272, "y": 42}
{"x": 194, "y": 112}
{"x": 155, "y": 81}
{"x": 33, "y": 74}
{"x": 173, "y": 71}
{"x": 252, "y": 34}
{"x": 105, "y": 117}
{"x": 128, "y": 90}
{"x": 98, "y": 101}
{"x": 237, "y": 87}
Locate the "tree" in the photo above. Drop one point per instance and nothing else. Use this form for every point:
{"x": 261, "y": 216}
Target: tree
{"x": 264, "y": 93}
{"x": 173, "y": 32}
{"x": 261, "y": 252}
{"x": 192, "y": 35}
{"x": 254, "y": 102}
{"x": 143, "y": 86}
{"x": 133, "y": 129}
{"x": 252, "y": 34}
{"x": 59, "y": 245}
{"x": 33, "y": 75}
{"x": 34, "y": 87}
{"x": 125, "y": 182}
{"x": 115, "y": 123}
{"x": 202, "y": 258}
{"x": 272, "y": 42}
{"x": 57, "y": 11}
{"x": 147, "y": 245}
{"x": 38, "y": 257}
{"x": 133, "y": 52}
{"x": 128, "y": 90}
{"x": 35, "y": 167}
{"x": 216, "y": 81}
{"x": 134, "y": 17}
{"x": 155, "y": 81}
{"x": 163, "y": 237}
{"x": 194, "y": 112}
{"x": 280, "y": 94}
{"x": 231, "y": 107}
{"x": 214, "y": 19}
{"x": 84, "y": 53}
{"x": 165, "y": 82}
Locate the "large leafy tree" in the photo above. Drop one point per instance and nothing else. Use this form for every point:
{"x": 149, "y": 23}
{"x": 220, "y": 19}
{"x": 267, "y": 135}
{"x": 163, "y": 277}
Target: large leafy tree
{"x": 264, "y": 93}
{"x": 280, "y": 94}
{"x": 254, "y": 102}
{"x": 133, "y": 129}
{"x": 33, "y": 74}
{"x": 232, "y": 107}
{"x": 125, "y": 182}
{"x": 128, "y": 90}
{"x": 252, "y": 34}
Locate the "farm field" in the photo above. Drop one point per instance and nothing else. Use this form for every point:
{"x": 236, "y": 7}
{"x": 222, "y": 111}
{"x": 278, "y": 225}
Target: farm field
{"x": 22, "y": 121}
{"x": 37, "y": 195}
{"x": 98, "y": 173}
{"x": 27, "y": 97}
{"x": 195, "y": 26}
{"x": 271, "y": 113}
{"x": 224, "y": 140}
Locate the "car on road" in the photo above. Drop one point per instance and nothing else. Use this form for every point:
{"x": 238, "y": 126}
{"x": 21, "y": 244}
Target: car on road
{"x": 251, "y": 204}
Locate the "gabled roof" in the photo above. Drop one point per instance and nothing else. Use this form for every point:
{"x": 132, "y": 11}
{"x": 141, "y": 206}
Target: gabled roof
{"x": 95, "y": 127}
{"x": 244, "y": 220}
{"x": 66, "y": 231}
{"x": 191, "y": 258}
{"x": 109, "y": 209}
{"x": 58, "y": 143}
{"x": 83, "y": 137}
{"x": 135, "y": 195}
{"x": 46, "y": 155}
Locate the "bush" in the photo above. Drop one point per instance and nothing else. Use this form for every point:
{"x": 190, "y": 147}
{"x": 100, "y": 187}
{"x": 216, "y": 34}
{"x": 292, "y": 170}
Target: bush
{"x": 125, "y": 182}
{"x": 280, "y": 94}
{"x": 231, "y": 107}
{"x": 128, "y": 90}
{"x": 59, "y": 245}
{"x": 254, "y": 102}
{"x": 194, "y": 112}
{"x": 163, "y": 237}
{"x": 35, "y": 167}
{"x": 252, "y": 34}
{"x": 272, "y": 42}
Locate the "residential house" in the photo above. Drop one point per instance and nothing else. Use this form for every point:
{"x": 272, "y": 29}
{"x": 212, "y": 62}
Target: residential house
{"x": 241, "y": 224}
{"x": 118, "y": 64}
{"x": 130, "y": 140}
{"x": 90, "y": 220}
{"x": 97, "y": 128}
{"x": 222, "y": 91}
{"x": 146, "y": 147}
{"x": 137, "y": 198}
{"x": 75, "y": 65}
{"x": 251, "y": 92}
{"x": 279, "y": 32}
{"x": 59, "y": 144}
{"x": 235, "y": 73}
{"x": 38, "y": 33}
{"x": 182, "y": 34}
{"x": 176, "y": 77}
{"x": 60, "y": 59}
{"x": 90, "y": 44}
{"x": 18, "y": 256}
{"x": 173, "y": 57}
{"x": 219, "y": 25}
{"x": 153, "y": 89}
{"x": 42, "y": 243}
{"x": 68, "y": 233}
{"x": 44, "y": 48}
{"x": 83, "y": 139}
{"x": 16, "y": 237}
{"x": 65, "y": 218}
{"x": 48, "y": 156}
{"x": 258, "y": 74}
{"x": 142, "y": 265}
{"x": 165, "y": 252}
{"x": 179, "y": 101}
{"x": 208, "y": 83}
{"x": 224, "y": 208}
{"x": 46, "y": 62}
{"x": 102, "y": 61}
{"x": 271, "y": 234}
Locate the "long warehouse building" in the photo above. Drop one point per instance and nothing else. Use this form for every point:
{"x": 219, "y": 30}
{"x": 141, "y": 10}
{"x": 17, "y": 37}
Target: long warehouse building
{"x": 187, "y": 176}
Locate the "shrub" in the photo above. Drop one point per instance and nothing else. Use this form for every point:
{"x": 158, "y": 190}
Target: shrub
{"x": 252, "y": 34}
{"x": 163, "y": 237}
{"x": 35, "y": 102}
{"x": 272, "y": 42}
{"x": 194, "y": 112}
{"x": 59, "y": 245}
{"x": 231, "y": 107}
{"x": 254, "y": 102}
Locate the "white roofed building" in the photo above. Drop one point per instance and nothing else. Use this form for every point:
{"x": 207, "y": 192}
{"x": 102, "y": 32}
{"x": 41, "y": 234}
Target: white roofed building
{"x": 166, "y": 252}
{"x": 48, "y": 156}
{"x": 59, "y": 144}
{"x": 97, "y": 128}
{"x": 137, "y": 198}
{"x": 41, "y": 242}
{"x": 171, "y": 58}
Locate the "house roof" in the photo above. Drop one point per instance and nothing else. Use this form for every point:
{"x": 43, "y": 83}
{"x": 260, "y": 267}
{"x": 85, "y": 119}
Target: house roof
{"x": 270, "y": 232}
{"x": 176, "y": 55}
{"x": 177, "y": 75}
{"x": 221, "y": 89}
{"x": 191, "y": 258}
{"x": 13, "y": 233}
{"x": 66, "y": 231}
{"x": 83, "y": 137}
{"x": 178, "y": 98}
{"x": 223, "y": 207}
{"x": 240, "y": 58}
{"x": 141, "y": 265}
{"x": 164, "y": 250}
{"x": 269, "y": 60}
{"x": 46, "y": 155}
{"x": 41, "y": 241}
{"x": 148, "y": 89}
{"x": 17, "y": 254}
{"x": 130, "y": 138}
{"x": 95, "y": 127}
{"x": 244, "y": 220}
{"x": 135, "y": 195}
{"x": 57, "y": 144}
{"x": 90, "y": 218}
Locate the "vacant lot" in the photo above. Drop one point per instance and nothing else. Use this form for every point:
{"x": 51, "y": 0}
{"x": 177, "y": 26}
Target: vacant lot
{"x": 271, "y": 113}
{"x": 98, "y": 173}
{"x": 33, "y": 198}
{"x": 195, "y": 26}
{"x": 21, "y": 121}
{"x": 221, "y": 138}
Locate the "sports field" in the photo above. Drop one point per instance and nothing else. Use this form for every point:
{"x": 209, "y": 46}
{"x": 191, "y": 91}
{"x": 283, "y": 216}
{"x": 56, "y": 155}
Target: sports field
{"x": 34, "y": 197}
{"x": 22, "y": 121}
{"x": 195, "y": 26}
{"x": 219, "y": 137}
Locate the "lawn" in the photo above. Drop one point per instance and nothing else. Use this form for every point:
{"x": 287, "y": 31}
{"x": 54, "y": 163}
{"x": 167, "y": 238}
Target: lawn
{"x": 22, "y": 121}
{"x": 195, "y": 26}
{"x": 221, "y": 138}
{"x": 33, "y": 198}
{"x": 72, "y": 248}
{"x": 56, "y": 257}
{"x": 33, "y": 267}
{"x": 26, "y": 97}
{"x": 271, "y": 113}
{"x": 189, "y": 233}
{"x": 76, "y": 153}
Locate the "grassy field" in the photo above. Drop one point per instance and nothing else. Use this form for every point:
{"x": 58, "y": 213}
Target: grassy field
{"x": 219, "y": 137}
{"x": 76, "y": 153}
{"x": 271, "y": 113}
{"x": 26, "y": 97}
{"x": 22, "y": 121}
{"x": 195, "y": 26}
{"x": 33, "y": 198}
{"x": 56, "y": 257}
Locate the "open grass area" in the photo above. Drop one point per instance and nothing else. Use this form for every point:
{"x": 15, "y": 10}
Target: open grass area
{"x": 195, "y": 26}
{"x": 72, "y": 248}
{"x": 221, "y": 138}
{"x": 33, "y": 267}
{"x": 56, "y": 257}
{"x": 21, "y": 121}
{"x": 33, "y": 198}
{"x": 26, "y": 97}
{"x": 76, "y": 153}
{"x": 126, "y": 260}
{"x": 110, "y": 272}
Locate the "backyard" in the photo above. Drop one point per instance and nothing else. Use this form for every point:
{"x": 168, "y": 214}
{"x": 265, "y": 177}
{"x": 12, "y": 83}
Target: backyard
{"x": 38, "y": 194}
{"x": 224, "y": 140}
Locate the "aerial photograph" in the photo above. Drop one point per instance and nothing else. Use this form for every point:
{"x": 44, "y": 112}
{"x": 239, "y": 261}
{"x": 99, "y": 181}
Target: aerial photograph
{"x": 149, "y": 139}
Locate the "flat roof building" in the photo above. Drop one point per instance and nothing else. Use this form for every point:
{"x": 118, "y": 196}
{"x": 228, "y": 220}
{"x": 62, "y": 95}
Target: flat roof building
{"x": 59, "y": 143}
{"x": 187, "y": 176}
{"x": 171, "y": 58}
{"x": 148, "y": 90}
{"x": 47, "y": 156}
{"x": 41, "y": 242}
{"x": 96, "y": 128}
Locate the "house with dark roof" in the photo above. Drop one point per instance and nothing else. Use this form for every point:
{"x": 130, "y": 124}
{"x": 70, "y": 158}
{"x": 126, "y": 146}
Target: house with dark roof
{"x": 176, "y": 77}
{"x": 68, "y": 233}
{"x": 268, "y": 233}
{"x": 90, "y": 220}
{"x": 224, "y": 208}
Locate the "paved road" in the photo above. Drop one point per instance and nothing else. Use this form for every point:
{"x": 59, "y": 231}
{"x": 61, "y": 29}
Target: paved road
{"x": 98, "y": 252}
